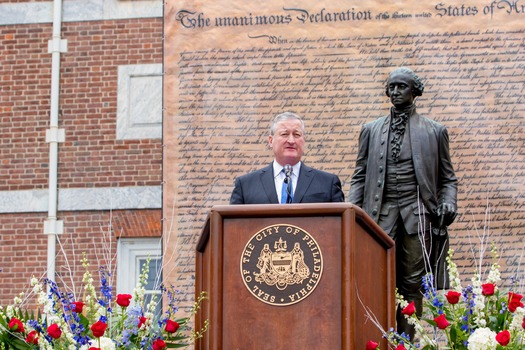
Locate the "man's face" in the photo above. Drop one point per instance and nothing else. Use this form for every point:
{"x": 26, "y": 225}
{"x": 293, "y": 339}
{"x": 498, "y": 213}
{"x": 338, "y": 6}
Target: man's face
{"x": 400, "y": 87}
{"x": 288, "y": 142}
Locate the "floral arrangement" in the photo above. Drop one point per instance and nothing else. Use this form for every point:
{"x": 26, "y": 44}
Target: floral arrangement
{"x": 480, "y": 316}
{"x": 99, "y": 321}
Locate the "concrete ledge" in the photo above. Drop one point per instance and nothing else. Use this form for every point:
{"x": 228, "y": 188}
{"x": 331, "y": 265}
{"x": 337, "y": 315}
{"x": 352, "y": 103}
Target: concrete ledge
{"x": 79, "y": 10}
{"x": 114, "y": 198}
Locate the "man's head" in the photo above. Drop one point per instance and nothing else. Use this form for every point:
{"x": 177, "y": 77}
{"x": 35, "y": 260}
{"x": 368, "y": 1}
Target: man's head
{"x": 403, "y": 86}
{"x": 287, "y": 138}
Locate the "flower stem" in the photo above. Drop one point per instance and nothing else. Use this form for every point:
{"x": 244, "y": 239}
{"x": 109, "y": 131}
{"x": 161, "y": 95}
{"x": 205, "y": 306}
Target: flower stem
{"x": 449, "y": 340}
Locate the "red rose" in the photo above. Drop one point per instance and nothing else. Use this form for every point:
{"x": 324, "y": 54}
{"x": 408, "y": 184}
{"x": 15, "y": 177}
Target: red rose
{"x": 503, "y": 337}
{"x": 32, "y": 338}
{"x": 98, "y": 328}
{"x": 487, "y": 289}
{"x": 514, "y": 301}
{"x": 124, "y": 299}
{"x": 409, "y": 309}
{"x": 15, "y": 325}
{"x": 371, "y": 345}
{"x": 400, "y": 347}
{"x": 93, "y": 348}
{"x": 54, "y": 331}
{"x": 142, "y": 321}
{"x": 171, "y": 326}
{"x": 441, "y": 321}
{"x": 159, "y": 344}
{"x": 523, "y": 323}
{"x": 77, "y": 307}
{"x": 453, "y": 297}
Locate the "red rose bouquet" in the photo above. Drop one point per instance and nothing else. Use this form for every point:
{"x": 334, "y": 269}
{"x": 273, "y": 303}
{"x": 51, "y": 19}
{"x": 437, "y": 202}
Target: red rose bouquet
{"x": 478, "y": 316}
{"x": 99, "y": 321}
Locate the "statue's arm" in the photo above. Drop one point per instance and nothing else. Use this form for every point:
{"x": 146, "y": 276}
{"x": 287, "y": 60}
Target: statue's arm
{"x": 357, "y": 183}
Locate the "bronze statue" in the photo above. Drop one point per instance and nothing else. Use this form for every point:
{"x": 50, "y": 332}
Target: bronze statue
{"x": 405, "y": 181}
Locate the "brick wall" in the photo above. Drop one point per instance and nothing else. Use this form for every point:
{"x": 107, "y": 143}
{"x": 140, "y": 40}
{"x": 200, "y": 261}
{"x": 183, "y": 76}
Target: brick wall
{"x": 25, "y": 80}
{"x": 23, "y": 246}
{"x": 91, "y": 155}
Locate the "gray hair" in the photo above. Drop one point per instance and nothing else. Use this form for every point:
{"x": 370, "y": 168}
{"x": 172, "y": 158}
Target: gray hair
{"x": 285, "y": 116}
{"x": 418, "y": 87}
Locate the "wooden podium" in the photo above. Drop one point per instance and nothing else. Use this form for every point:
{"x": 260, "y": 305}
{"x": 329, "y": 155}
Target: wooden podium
{"x": 294, "y": 276}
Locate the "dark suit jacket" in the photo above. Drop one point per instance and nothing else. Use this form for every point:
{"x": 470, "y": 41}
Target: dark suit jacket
{"x": 313, "y": 186}
{"x": 430, "y": 154}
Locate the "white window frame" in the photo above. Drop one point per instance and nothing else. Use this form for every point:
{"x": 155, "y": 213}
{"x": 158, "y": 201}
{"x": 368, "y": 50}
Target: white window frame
{"x": 129, "y": 253}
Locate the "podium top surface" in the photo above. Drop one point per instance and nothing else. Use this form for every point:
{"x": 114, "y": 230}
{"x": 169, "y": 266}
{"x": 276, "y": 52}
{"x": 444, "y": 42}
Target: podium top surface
{"x": 290, "y": 210}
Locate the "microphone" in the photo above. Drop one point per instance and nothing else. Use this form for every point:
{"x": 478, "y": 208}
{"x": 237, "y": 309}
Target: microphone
{"x": 288, "y": 170}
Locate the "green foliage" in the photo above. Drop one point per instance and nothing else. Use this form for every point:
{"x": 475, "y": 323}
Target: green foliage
{"x": 133, "y": 326}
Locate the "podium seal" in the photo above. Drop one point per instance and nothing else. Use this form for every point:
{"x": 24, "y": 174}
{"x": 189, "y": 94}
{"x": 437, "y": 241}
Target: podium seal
{"x": 281, "y": 264}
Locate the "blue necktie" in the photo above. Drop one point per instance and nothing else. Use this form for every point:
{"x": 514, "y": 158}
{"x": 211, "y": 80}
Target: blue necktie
{"x": 287, "y": 191}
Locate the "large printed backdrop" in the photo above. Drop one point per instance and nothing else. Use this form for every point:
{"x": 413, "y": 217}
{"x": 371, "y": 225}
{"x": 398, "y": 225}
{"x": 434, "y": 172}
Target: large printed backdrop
{"x": 230, "y": 66}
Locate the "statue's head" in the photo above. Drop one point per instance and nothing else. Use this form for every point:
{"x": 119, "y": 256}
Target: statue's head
{"x": 409, "y": 75}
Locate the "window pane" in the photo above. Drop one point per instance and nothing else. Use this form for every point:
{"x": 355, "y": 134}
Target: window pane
{"x": 155, "y": 273}
{"x": 158, "y": 299}
{"x": 153, "y": 281}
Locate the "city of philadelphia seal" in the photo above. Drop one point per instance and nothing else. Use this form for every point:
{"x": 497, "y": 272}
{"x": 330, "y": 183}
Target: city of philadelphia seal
{"x": 281, "y": 264}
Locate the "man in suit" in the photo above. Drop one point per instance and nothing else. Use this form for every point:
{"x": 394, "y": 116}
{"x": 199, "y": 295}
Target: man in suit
{"x": 404, "y": 180}
{"x": 300, "y": 184}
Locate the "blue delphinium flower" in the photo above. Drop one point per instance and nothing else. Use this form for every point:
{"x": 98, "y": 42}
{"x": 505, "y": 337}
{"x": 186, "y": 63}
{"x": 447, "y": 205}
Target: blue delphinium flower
{"x": 62, "y": 306}
{"x": 469, "y": 297}
{"x": 105, "y": 289}
{"x": 41, "y": 329}
{"x": 130, "y": 324}
{"x": 78, "y": 329}
{"x": 430, "y": 292}
{"x": 172, "y": 301}
{"x": 125, "y": 340}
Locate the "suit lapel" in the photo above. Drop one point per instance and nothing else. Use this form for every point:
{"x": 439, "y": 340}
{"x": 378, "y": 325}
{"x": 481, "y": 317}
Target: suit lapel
{"x": 306, "y": 176}
{"x": 268, "y": 184}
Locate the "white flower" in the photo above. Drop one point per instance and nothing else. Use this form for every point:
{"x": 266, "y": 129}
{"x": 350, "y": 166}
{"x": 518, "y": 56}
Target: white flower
{"x": 18, "y": 300}
{"x": 44, "y": 344}
{"x": 517, "y": 319}
{"x": 426, "y": 341}
{"x": 479, "y": 311}
{"x": 494, "y": 275}
{"x": 9, "y": 311}
{"x": 105, "y": 344}
{"x": 481, "y": 322}
{"x": 152, "y": 306}
{"x": 139, "y": 292}
{"x": 149, "y": 315}
{"x": 482, "y": 339}
{"x": 479, "y": 305}
{"x": 453, "y": 273}
{"x": 53, "y": 318}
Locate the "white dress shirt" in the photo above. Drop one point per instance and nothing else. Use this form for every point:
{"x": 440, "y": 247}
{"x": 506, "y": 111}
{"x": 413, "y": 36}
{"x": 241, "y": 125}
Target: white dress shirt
{"x": 279, "y": 177}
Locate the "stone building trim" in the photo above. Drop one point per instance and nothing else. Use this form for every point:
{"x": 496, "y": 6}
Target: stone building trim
{"x": 76, "y": 199}
{"x": 79, "y": 10}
